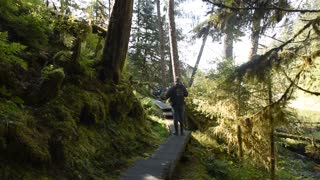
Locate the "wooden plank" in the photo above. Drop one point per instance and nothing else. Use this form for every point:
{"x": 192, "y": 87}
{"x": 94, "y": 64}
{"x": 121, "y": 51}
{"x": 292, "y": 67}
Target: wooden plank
{"x": 162, "y": 163}
{"x": 161, "y": 105}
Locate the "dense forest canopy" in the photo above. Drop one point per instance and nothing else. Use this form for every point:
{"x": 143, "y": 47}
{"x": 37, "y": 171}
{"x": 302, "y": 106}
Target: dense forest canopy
{"x": 77, "y": 78}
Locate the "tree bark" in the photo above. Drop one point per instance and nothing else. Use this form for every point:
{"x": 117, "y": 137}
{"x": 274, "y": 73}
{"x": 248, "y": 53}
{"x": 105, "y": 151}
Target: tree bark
{"x": 255, "y": 32}
{"x": 239, "y": 131}
{"x": 116, "y": 45}
{"x": 195, "y": 68}
{"x": 138, "y": 20}
{"x": 161, "y": 40}
{"x": 173, "y": 41}
{"x": 98, "y": 48}
{"x": 228, "y": 39}
{"x": 76, "y": 50}
{"x": 271, "y": 123}
{"x": 239, "y": 136}
{"x": 109, "y": 7}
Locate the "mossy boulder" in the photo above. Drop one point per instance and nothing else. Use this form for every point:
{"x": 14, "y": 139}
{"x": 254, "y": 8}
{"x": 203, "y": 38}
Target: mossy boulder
{"x": 51, "y": 84}
{"x": 48, "y": 88}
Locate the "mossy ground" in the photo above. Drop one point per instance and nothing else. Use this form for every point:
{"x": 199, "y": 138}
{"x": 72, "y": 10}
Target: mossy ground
{"x": 89, "y": 131}
{"x": 206, "y": 159}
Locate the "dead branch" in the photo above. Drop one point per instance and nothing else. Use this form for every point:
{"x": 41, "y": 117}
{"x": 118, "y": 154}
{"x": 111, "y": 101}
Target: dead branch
{"x": 272, "y": 7}
{"x": 302, "y": 89}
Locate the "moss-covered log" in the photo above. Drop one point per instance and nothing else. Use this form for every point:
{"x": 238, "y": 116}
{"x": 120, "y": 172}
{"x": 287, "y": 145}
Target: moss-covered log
{"x": 296, "y": 137}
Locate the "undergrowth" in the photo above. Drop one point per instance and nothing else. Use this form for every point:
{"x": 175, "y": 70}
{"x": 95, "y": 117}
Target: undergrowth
{"x": 207, "y": 158}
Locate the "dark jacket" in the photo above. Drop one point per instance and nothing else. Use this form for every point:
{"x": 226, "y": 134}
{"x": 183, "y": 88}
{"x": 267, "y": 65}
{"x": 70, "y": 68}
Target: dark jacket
{"x": 176, "y": 95}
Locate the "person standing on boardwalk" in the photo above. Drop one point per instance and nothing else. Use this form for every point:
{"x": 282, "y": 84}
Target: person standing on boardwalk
{"x": 176, "y": 94}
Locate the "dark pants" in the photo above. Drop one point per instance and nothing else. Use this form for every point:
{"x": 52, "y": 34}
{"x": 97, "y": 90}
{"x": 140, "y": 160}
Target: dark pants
{"x": 178, "y": 116}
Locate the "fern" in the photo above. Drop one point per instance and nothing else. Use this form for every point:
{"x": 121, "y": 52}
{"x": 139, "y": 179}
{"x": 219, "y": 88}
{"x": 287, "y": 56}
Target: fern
{"x": 9, "y": 51}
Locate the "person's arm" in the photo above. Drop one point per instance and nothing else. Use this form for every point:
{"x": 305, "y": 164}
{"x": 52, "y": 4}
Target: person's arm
{"x": 185, "y": 92}
{"x": 168, "y": 94}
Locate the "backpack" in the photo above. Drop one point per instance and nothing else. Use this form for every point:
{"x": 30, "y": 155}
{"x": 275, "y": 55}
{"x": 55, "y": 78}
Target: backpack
{"x": 178, "y": 92}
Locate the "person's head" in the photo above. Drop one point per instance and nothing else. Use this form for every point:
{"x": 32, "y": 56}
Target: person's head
{"x": 177, "y": 80}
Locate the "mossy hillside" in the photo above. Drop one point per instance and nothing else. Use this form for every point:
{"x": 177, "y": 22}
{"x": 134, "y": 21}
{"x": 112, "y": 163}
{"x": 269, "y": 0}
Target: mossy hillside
{"x": 83, "y": 133}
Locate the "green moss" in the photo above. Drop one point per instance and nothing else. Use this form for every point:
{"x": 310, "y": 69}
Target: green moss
{"x": 29, "y": 141}
{"x": 10, "y": 113}
{"x": 158, "y": 127}
{"x": 83, "y": 132}
{"x": 18, "y": 134}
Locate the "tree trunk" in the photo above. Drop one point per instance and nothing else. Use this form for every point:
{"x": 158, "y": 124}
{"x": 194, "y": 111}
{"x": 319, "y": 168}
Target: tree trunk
{"x": 171, "y": 79}
{"x": 271, "y": 123}
{"x": 109, "y": 8}
{"x": 98, "y": 48}
{"x": 116, "y": 45}
{"x": 239, "y": 131}
{"x": 256, "y": 28}
{"x": 76, "y": 50}
{"x": 239, "y": 136}
{"x": 173, "y": 41}
{"x": 161, "y": 40}
{"x": 205, "y": 35}
{"x": 138, "y": 21}
{"x": 228, "y": 39}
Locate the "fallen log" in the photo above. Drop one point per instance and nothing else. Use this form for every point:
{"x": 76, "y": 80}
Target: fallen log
{"x": 305, "y": 122}
{"x": 96, "y": 29}
{"x": 296, "y": 137}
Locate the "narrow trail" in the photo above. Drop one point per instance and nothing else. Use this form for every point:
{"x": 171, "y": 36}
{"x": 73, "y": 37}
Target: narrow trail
{"x": 164, "y": 160}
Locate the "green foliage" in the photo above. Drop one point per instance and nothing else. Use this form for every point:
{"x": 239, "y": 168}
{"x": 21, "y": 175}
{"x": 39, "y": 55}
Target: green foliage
{"x": 9, "y": 52}
{"x": 155, "y": 117}
{"x": 239, "y": 102}
{"x": 289, "y": 166}
{"x": 144, "y": 49}
{"x": 4, "y": 92}
{"x": 9, "y": 113}
{"x": 84, "y": 129}
{"x": 49, "y": 71}
{"x": 28, "y": 22}
{"x": 96, "y": 141}
{"x": 158, "y": 127}
{"x": 207, "y": 159}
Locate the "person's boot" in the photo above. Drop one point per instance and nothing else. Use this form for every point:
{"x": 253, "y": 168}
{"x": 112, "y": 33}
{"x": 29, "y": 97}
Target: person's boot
{"x": 181, "y": 129}
{"x": 175, "y": 128}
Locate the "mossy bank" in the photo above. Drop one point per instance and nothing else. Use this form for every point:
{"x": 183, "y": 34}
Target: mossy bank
{"x": 87, "y": 131}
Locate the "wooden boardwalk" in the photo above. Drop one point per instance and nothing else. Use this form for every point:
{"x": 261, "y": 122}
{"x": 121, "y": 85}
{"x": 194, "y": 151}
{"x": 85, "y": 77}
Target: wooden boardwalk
{"x": 164, "y": 160}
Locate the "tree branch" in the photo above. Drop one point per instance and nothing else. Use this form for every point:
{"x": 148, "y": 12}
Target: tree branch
{"x": 272, "y": 7}
{"x": 302, "y": 89}
{"x": 264, "y": 60}
{"x": 272, "y": 37}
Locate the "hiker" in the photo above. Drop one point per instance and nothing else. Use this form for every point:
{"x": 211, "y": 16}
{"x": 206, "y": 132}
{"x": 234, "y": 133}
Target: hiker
{"x": 176, "y": 94}
{"x": 158, "y": 92}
